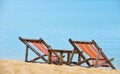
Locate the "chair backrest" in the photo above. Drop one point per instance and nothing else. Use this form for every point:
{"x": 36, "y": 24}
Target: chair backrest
{"x": 40, "y": 45}
{"x": 90, "y": 49}
{"x": 43, "y": 48}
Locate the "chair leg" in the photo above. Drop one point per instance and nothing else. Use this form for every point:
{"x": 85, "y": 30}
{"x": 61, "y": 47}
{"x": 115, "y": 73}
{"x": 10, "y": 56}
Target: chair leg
{"x": 71, "y": 57}
{"x": 79, "y": 58}
{"x": 68, "y": 57}
{"x": 26, "y": 54}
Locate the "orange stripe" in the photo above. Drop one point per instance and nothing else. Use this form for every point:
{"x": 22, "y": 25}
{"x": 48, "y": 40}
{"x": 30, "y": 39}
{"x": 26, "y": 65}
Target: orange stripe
{"x": 91, "y": 50}
{"x": 45, "y": 47}
{"x": 100, "y": 61}
{"x": 94, "y": 48}
{"x": 84, "y": 49}
{"x": 82, "y": 46}
{"x": 42, "y": 48}
{"x": 35, "y": 44}
{"x": 93, "y": 53}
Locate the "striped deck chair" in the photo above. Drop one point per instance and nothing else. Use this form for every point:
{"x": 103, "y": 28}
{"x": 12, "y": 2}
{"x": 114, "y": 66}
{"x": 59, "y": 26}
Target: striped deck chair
{"x": 38, "y": 45}
{"x": 96, "y": 57}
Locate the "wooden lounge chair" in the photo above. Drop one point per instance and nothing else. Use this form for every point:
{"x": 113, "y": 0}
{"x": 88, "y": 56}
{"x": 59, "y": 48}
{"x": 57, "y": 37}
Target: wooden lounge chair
{"x": 39, "y": 45}
{"x": 96, "y": 57}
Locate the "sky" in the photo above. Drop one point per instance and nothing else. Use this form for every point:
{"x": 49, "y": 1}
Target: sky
{"x": 58, "y": 20}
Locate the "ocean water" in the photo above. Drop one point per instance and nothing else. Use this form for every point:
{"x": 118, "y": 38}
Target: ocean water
{"x": 107, "y": 38}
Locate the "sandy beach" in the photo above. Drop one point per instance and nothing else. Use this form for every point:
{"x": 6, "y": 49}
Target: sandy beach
{"x": 18, "y": 67}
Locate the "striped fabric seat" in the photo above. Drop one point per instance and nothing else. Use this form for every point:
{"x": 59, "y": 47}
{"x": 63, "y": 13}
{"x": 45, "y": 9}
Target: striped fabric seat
{"x": 93, "y": 52}
{"x": 39, "y": 45}
{"x": 42, "y": 48}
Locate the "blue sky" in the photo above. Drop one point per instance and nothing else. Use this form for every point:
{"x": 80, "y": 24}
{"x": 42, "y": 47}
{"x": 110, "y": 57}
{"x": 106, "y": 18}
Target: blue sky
{"x": 58, "y": 20}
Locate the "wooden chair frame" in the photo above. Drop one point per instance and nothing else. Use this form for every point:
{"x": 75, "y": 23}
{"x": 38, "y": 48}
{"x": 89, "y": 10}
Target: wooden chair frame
{"x": 86, "y": 60}
{"x": 28, "y": 46}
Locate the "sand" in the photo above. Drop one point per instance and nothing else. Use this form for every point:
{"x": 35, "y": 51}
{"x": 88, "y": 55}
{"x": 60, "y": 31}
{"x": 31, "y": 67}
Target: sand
{"x": 18, "y": 67}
